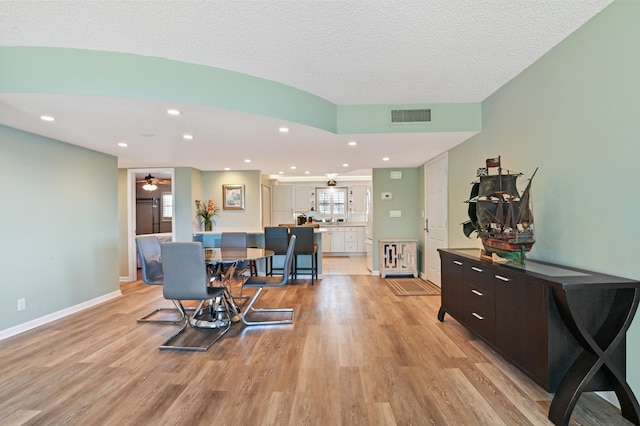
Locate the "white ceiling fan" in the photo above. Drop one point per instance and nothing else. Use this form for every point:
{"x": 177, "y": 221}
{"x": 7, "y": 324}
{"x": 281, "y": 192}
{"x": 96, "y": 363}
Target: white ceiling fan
{"x": 151, "y": 183}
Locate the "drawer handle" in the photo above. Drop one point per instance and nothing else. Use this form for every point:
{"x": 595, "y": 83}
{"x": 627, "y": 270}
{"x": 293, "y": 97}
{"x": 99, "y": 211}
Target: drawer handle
{"x": 501, "y": 278}
{"x": 477, "y": 293}
{"x": 457, "y": 262}
{"x": 480, "y": 317}
{"x": 476, "y": 269}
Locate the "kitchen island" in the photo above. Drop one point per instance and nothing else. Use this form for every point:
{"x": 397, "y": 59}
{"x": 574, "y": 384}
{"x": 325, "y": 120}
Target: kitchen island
{"x": 255, "y": 238}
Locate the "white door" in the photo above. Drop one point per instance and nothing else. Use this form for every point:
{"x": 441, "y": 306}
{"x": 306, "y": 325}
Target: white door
{"x": 435, "y": 175}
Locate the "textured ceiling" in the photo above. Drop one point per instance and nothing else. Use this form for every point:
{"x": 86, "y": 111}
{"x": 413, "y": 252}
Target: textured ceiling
{"x": 348, "y": 52}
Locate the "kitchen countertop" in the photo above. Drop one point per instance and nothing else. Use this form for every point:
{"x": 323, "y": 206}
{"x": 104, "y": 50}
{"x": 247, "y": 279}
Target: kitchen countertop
{"x": 326, "y": 224}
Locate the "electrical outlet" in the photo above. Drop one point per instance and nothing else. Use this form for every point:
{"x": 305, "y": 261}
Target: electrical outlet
{"x": 22, "y": 304}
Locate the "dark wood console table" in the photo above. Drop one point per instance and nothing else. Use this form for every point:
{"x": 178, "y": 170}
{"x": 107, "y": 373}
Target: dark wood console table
{"x": 563, "y": 327}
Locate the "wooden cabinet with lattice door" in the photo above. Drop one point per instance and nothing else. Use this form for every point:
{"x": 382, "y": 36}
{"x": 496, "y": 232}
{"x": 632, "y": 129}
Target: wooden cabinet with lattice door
{"x": 398, "y": 257}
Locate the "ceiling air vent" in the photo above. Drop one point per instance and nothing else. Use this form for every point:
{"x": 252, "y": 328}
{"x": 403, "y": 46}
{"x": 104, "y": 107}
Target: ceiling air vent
{"x": 410, "y": 116}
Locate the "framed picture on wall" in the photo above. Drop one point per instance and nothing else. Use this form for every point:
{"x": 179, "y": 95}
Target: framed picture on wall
{"x": 233, "y": 197}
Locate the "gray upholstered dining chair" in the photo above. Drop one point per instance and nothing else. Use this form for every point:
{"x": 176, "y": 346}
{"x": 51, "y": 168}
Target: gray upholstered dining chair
{"x": 185, "y": 278}
{"x": 305, "y": 246}
{"x": 235, "y": 240}
{"x": 148, "y": 247}
{"x": 272, "y": 281}
{"x": 276, "y": 239}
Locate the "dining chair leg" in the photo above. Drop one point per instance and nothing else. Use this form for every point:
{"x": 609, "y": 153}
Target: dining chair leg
{"x": 250, "y": 309}
{"x": 223, "y": 325}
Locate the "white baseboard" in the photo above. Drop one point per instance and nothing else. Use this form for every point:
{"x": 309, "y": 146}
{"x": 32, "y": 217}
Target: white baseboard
{"x": 610, "y": 397}
{"x": 29, "y": 325}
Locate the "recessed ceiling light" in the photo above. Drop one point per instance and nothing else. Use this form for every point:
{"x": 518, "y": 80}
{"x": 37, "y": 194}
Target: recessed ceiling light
{"x": 307, "y": 172}
{"x": 247, "y": 160}
{"x": 345, "y": 165}
{"x": 122, "y": 144}
{"x": 280, "y": 173}
{"x": 283, "y": 129}
{"x": 352, "y": 143}
{"x": 47, "y": 118}
{"x": 385, "y": 159}
{"x": 173, "y": 112}
{"x": 227, "y": 168}
{"x": 293, "y": 167}
{"x": 187, "y": 136}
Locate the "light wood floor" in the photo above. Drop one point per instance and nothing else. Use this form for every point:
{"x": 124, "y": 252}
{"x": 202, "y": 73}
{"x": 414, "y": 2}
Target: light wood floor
{"x": 344, "y": 265}
{"x": 356, "y": 355}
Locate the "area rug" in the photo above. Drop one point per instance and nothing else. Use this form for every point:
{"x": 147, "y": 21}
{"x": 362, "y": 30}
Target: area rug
{"x": 412, "y": 287}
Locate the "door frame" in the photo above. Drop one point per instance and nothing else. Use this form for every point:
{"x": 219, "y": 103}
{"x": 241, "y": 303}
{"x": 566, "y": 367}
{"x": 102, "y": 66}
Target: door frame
{"x": 131, "y": 216}
{"x": 433, "y": 251}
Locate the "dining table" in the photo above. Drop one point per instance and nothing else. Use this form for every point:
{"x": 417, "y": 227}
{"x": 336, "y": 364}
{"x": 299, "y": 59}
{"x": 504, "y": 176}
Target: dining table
{"x": 228, "y": 255}
{"x": 231, "y": 255}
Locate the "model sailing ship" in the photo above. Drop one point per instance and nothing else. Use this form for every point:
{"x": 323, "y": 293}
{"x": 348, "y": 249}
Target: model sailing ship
{"x": 498, "y": 214}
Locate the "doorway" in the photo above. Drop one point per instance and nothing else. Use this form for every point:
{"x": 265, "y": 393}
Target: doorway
{"x": 436, "y": 230}
{"x": 133, "y": 175}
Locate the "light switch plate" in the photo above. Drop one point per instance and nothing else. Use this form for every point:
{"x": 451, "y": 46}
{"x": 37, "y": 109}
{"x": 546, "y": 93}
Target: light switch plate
{"x": 395, "y": 213}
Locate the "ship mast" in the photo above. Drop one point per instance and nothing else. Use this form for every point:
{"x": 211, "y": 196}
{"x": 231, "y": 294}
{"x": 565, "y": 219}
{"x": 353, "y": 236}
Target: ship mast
{"x": 499, "y": 174}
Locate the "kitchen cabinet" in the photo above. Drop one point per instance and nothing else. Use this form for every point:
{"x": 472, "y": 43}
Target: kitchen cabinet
{"x": 357, "y": 198}
{"x": 563, "y": 327}
{"x": 333, "y": 240}
{"x": 282, "y": 204}
{"x": 304, "y": 199}
{"x": 343, "y": 239}
{"x": 350, "y": 239}
{"x": 398, "y": 257}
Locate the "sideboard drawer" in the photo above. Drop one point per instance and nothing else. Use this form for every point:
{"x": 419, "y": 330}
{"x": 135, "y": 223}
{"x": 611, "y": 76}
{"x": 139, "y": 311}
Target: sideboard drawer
{"x": 479, "y": 312}
{"x": 479, "y": 275}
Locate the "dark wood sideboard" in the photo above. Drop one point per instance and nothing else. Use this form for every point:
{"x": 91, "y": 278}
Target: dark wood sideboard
{"x": 563, "y": 327}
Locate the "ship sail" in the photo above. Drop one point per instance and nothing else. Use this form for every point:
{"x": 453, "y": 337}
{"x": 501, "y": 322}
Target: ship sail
{"x": 498, "y": 214}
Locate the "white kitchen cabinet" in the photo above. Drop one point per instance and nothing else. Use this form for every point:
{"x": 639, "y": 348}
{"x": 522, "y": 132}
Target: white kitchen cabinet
{"x": 282, "y": 204}
{"x": 333, "y": 240}
{"x": 337, "y": 239}
{"x": 398, "y": 257}
{"x": 326, "y": 241}
{"x": 344, "y": 239}
{"x": 305, "y": 199}
{"x": 351, "y": 239}
{"x": 357, "y": 198}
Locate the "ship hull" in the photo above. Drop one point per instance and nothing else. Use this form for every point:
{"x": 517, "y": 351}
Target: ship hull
{"x": 507, "y": 249}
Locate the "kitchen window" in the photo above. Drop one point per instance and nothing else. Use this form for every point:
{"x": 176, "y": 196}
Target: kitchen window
{"x": 331, "y": 202}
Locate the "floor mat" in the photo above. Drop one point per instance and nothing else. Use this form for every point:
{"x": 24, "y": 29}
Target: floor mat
{"x": 412, "y": 287}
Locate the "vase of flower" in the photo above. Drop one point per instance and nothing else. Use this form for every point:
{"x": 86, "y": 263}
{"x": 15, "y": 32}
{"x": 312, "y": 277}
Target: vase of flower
{"x": 206, "y": 212}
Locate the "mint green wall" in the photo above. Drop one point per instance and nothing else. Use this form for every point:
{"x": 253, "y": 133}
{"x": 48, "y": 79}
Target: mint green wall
{"x": 376, "y": 118}
{"x": 86, "y": 72}
{"x": 248, "y": 218}
{"x": 404, "y": 198}
{"x": 123, "y": 224}
{"x": 59, "y": 225}
{"x": 574, "y": 113}
{"x": 187, "y": 188}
